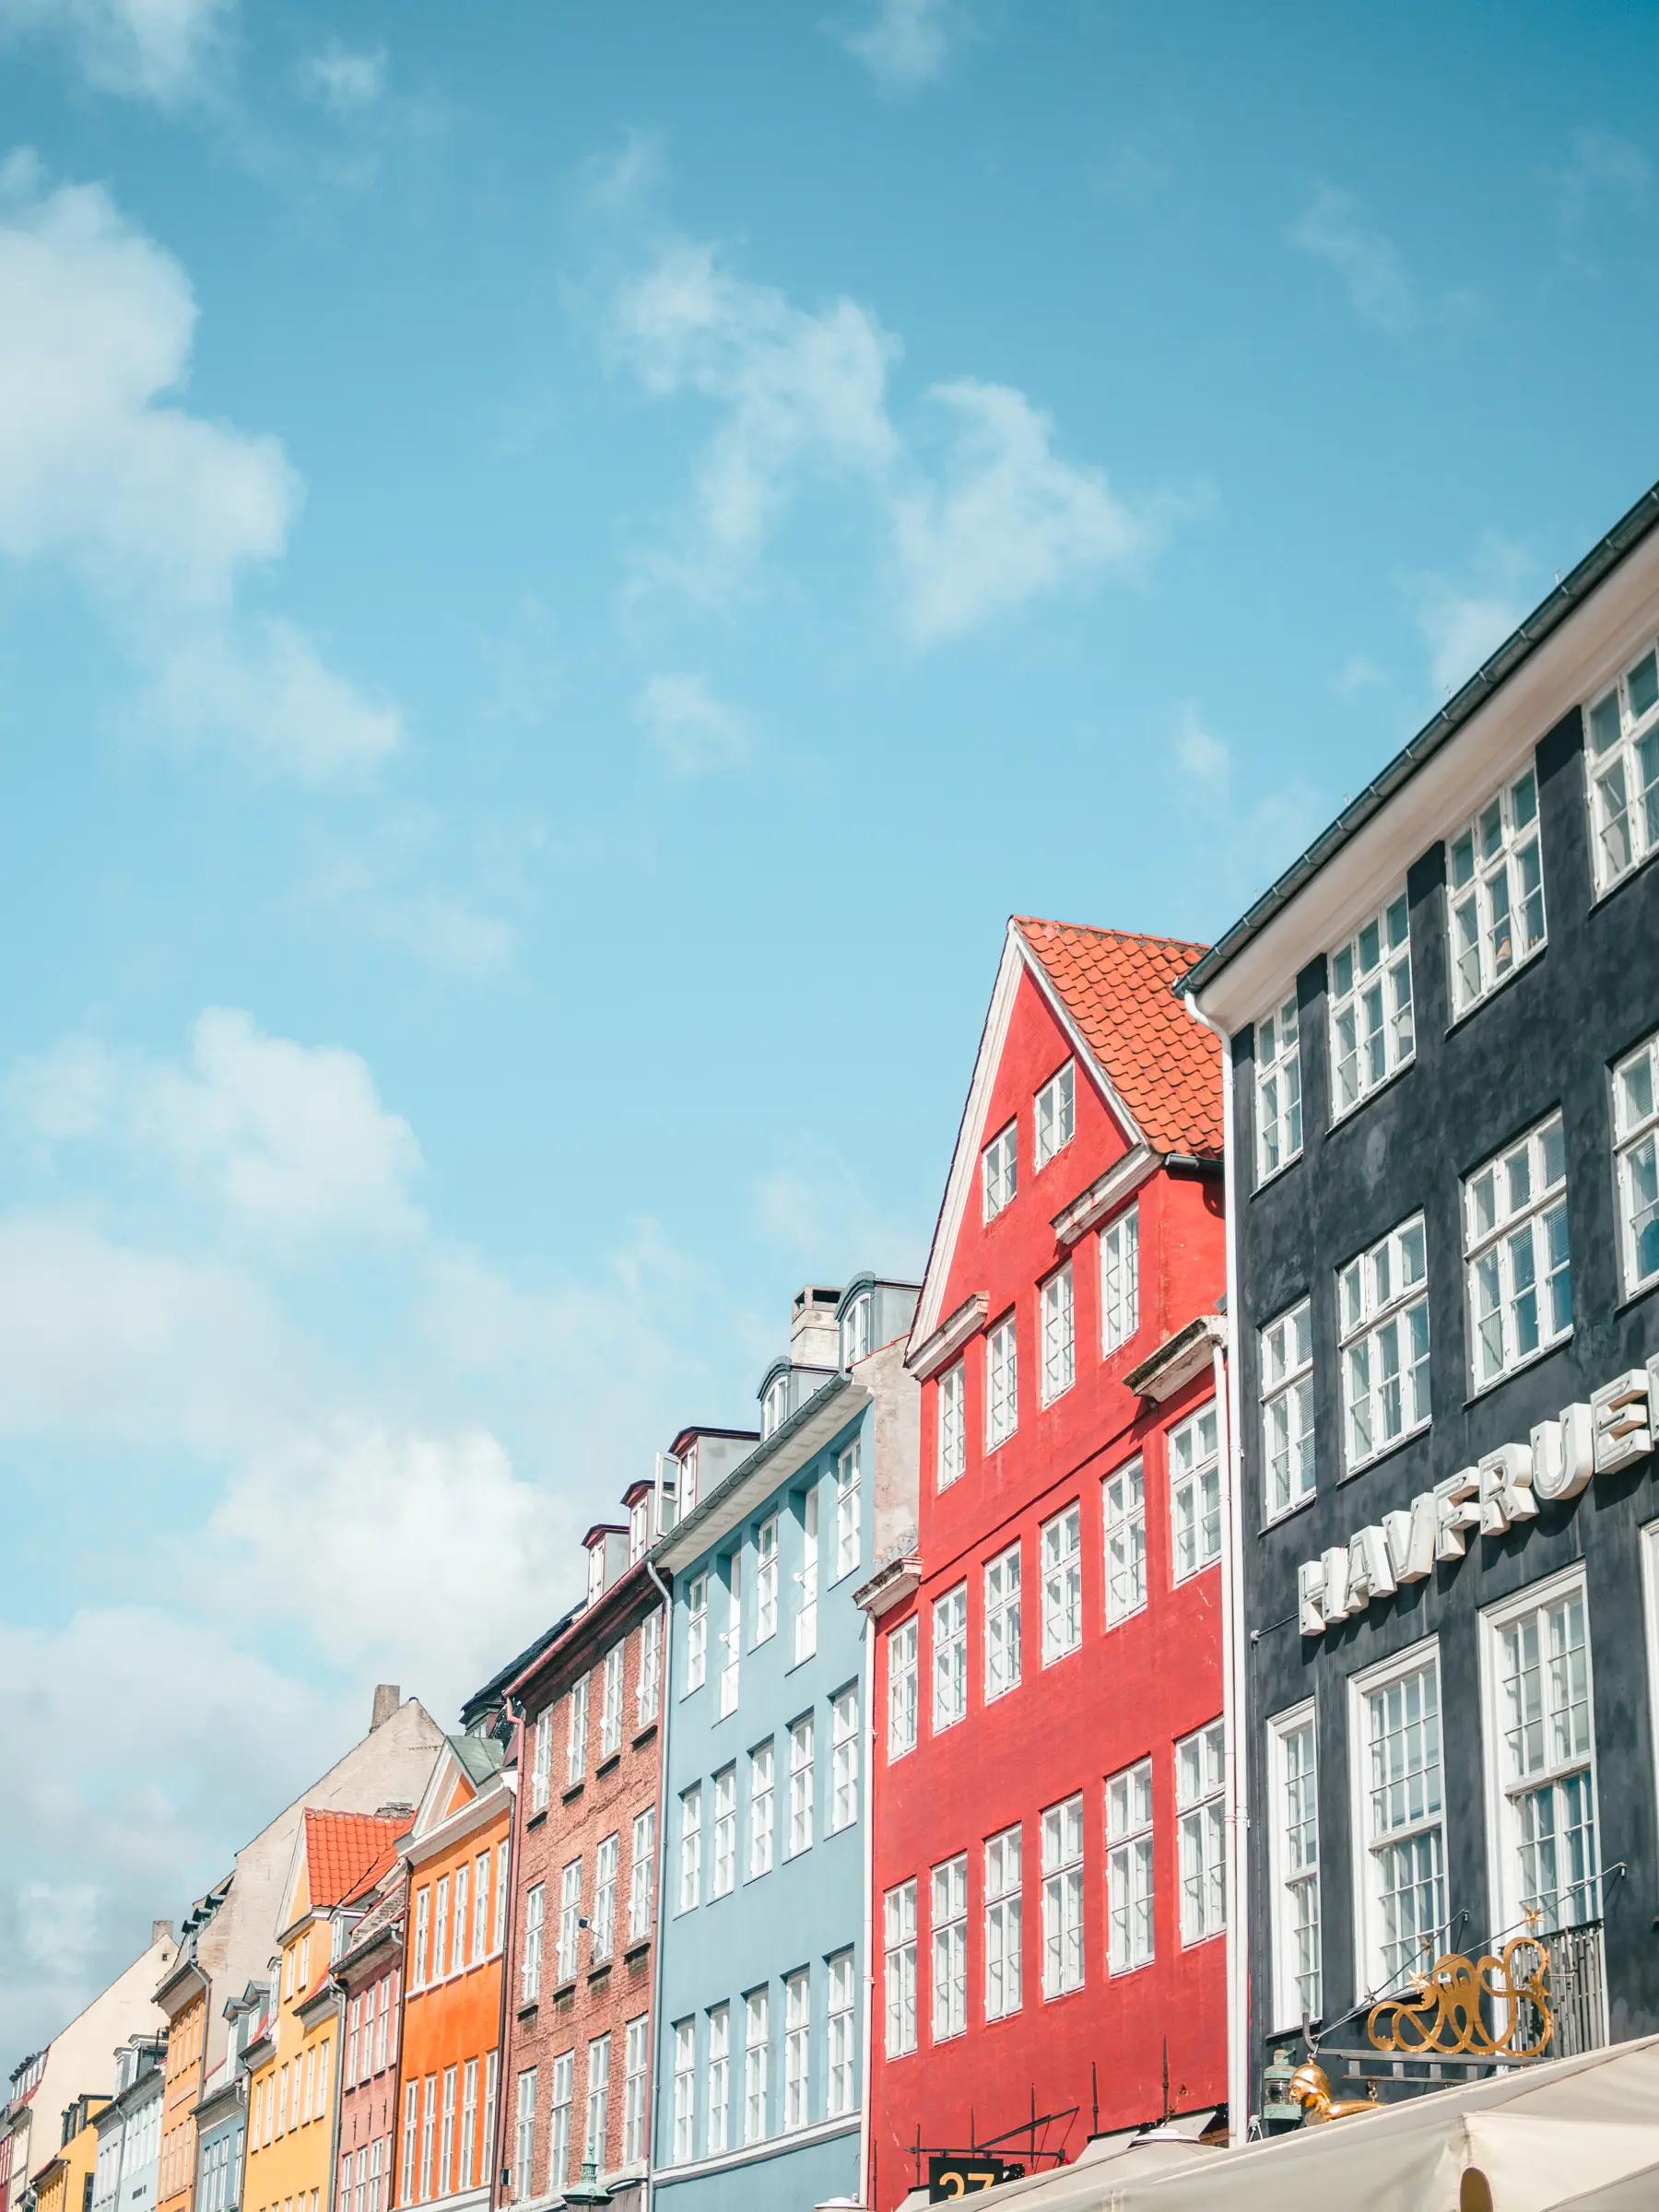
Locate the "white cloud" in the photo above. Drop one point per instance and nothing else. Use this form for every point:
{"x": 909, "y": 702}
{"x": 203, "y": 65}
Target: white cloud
{"x": 906, "y": 44}
{"x": 998, "y": 519}
{"x": 1333, "y": 229}
{"x": 1466, "y": 619}
{"x": 1204, "y": 758}
{"x": 163, "y": 51}
{"x": 691, "y": 730}
{"x": 161, "y": 512}
{"x": 1240, "y": 839}
{"x": 342, "y": 80}
{"x": 1601, "y": 162}
{"x": 813, "y": 1205}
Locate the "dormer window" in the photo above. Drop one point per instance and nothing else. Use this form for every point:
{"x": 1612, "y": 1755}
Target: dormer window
{"x": 1000, "y": 1170}
{"x": 688, "y": 1482}
{"x": 595, "y": 1572}
{"x": 638, "y": 1529}
{"x": 774, "y": 1404}
{"x": 1056, "y": 1113}
{"x": 858, "y": 1328}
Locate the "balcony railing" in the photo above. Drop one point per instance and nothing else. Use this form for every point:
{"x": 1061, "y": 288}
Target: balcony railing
{"x": 1578, "y": 1989}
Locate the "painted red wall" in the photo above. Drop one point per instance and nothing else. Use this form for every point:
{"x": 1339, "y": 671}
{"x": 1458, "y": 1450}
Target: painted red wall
{"x": 1129, "y": 1691}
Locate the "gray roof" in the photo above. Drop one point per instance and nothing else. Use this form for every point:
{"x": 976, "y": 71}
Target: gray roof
{"x": 481, "y": 1756}
{"x": 1516, "y": 650}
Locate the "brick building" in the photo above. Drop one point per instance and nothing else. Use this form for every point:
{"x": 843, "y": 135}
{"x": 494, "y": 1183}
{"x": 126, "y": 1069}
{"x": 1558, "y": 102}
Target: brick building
{"x": 370, "y": 1979}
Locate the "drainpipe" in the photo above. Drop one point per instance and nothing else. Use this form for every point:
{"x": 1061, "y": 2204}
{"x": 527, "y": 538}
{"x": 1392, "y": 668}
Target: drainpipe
{"x": 866, "y": 2196}
{"x": 666, "y": 1709}
{"x": 1233, "y": 1696}
{"x": 498, "y": 2145}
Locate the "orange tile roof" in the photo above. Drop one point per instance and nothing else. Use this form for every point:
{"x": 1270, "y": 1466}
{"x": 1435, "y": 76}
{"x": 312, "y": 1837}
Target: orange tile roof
{"x": 342, "y": 1848}
{"x": 1165, "y": 1067}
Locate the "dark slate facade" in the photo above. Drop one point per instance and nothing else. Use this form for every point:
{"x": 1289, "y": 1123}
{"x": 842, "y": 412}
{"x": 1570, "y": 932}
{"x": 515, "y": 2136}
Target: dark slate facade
{"x": 1546, "y": 1039}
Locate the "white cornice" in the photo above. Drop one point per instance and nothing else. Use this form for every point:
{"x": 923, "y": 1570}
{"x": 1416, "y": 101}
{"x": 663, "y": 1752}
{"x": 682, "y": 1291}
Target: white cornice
{"x": 947, "y": 1339}
{"x": 1107, "y": 1192}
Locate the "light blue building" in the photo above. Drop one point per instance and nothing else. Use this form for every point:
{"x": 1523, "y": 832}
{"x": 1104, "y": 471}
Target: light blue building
{"x": 759, "y": 2081}
{"x": 129, "y": 2130}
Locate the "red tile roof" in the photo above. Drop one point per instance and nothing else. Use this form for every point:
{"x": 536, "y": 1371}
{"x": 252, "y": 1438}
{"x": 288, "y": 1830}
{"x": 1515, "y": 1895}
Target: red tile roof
{"x": 343, "y": 1849}
{"x": 1164, "y": 1065}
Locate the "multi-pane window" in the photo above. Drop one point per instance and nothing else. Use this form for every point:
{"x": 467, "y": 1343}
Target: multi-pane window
{"x": 690, "y": 1883}
{"x": 843, "y": 1760}
{"x": 604, "y": 1897}
{"x": 1201, "y": 1817}
{"x": 524, "y": 2147}
{"x": 1547, "y": 1758}
{"x": 610, "y": 1710}
{"x": 1279, "y": 1089}
{"x": 541, "y": 1763}
{"x": 697, "y": 1631}
{"x": 902, "y": 1689}
{"x": 725, "y": 1833}
{"x": 1624, "y": 771}
{"x": 1129, "y": 1939}
{"x": 1294, "y": 1771}
{"x": 1195, "y": 1492}
{"x": 999, "y": 1169}
{"x": 1405, "y": 1833}
{"x": 530, "y": 1964}
{"x": 756, "y": 2065}
{"x": 800, "y": 1784}
{"x": 899, "y": 1967}
{"x": 1635, "y": 1139}
{"x": 649, "y": 1688}
{"x": 446, "y": 2139}
{"x": 847, "y": 1509}
{"x": 1120, "y": 1279}
{"x": 562, "y": 2089}
{"x": 731, "y": 1639}
{"x": 1062, "y": 1585}
{"x": 441, "y": 1897}
{"x": 1382, "y": 1313}
{"x": 458, "y": 1943}
{"x": 798, "y": 2050}
{"x": 950, "y": 1948}
{"x": 1002, "y": 1384}
{"x": 569, "y": 1919}
{"x": 1056, "y": 1112}
{"x": 685, "y": 2090}
{"x": 843, "y": 2038}
{"x": 950, "y": 1657}
{"x": 762, "y": 1800}
{"x": 634, "y": 2046}
{"x": 717, "y": 2134}
{"x": 470, "y": 2124}
{"x": 598, "y": 2099}
{"x": 1124, "y": 1517}
{"x": 1495, "y": 892}
{"x": 857, "y": 1330}
{"x": 805, "y": 1626}
{"x": 1002, "y": 1925}
{"x": 1287, "y": 1408}
{"x": 1062, "y": 1897}
{"x": 640, "y": 1872}
{"x": 953, "y": 1425}
{"x": 1002, "y": 1623}
{"x": 1516, "y": 1258}
{"x": 766, "y": 1579}
{"x": 1371, "y": 1028}
{"x": 1059, "y": 1339}
{"x": 576, "y": 1738}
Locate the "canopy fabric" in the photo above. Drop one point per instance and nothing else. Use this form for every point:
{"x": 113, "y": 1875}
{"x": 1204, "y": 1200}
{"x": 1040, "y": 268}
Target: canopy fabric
{"x": 1635, "y": 2193}
{"x": 1537, "y": 2135}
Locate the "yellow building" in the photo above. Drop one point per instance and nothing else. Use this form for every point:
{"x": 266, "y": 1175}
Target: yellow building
{"x": 293, "y": 2061}
{"x": 64, "y": 2184}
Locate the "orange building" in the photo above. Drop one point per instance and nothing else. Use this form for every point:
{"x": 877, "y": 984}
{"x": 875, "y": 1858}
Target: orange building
{"x": 183, "y": 1996}
{"x": 458, "y": 1855}
{"x": 293, "y": 2062}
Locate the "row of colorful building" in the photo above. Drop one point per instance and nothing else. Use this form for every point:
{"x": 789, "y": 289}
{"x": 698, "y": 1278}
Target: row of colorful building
{"x": 1106, "y": 1665}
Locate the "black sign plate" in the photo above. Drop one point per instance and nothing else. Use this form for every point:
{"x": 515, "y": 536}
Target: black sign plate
{"x": 953, "y": 2173}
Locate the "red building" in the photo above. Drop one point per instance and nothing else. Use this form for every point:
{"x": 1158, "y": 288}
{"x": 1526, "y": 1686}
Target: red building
{"x": 1049, "y": 1873}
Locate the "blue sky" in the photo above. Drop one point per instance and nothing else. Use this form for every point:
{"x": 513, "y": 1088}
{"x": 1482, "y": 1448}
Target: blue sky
{"x": 563, "y": 570}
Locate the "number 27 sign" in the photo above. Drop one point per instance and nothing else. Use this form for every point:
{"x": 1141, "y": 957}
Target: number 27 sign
{"x": 952, "y": 2174}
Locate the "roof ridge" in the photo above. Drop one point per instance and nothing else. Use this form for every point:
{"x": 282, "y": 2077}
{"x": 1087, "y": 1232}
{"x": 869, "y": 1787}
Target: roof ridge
{"x": 1100, "y": 929}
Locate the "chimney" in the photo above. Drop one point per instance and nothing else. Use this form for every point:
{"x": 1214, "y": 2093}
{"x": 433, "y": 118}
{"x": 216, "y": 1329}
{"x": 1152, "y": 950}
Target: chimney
{"x": 160, "y": 1931}
{"x": 387, "y": 1698}
{"x": 814, "y": 1332}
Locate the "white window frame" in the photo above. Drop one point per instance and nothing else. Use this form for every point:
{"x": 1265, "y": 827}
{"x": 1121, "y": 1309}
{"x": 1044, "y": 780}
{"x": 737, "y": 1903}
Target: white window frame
{"x": 1003, "y": 1913}
{"x": 1194, "y": 1455}
{"x": 1061, "y": 1542}
{"x": 642, "y": 1870}
{"x": 1055, "y": 1115}
{"x": 569, "y": 1919}
{"x": 1372, "y": 1963}
{"x": 1124, "y": 1540}
{"x": 1290, "y": 1459}
{"x": 1293, "y": 1868}
{"x": 1495, "y": 911}
{"x": 798, "y": 2050}
{"x": 610, "y": 1711}
{"x": 766, "y": 1580}
{"x": 1383, "y": 1311}
{"x": 541, "y": 1767}
{"x": 648, "y": 1689}
{"x": 1064, "y": 1968}
{"x": 1002, "y": 1383}
{"x": 635, "y": 2048}
{"x": 732, "y": 1637}
{"x": 953, "y": 1425}
{"x": 903, "y": 1687}
{"x": 1278, "y": 1089}
{"x": 849, "y": 1508}
{"x": 1131, "y": 1870}
{"x": 697, "y": 1632}
{"x": 948, "y": 1894}
{"x": 530, "y": 1960}
{"x": 950, "y": 1658}
{"x": 1505, "y": 1788}
{"x": 1201, "y": 1832}
{"x": 607, "y": 1860}
{"x": 806, "y": 1579}
{"x": 1059, "y": 1335}
{"x": 763, "y": 1808}
{"x": 1373, "y": 1021}
{"x": 1636, "y": 1161}
{"x": 524, "y": 2163}
{"x": 1003, "y": 1617}
{"x": 801, "y": 1784}
{"x": 858, "y": 1329}
{"x": 841, "y": 2019}
{"x": 1120, "y": 1280}
{"x": 598, "y": 2129}
{"x": 898, "y": 1968}
{"x": 722, "y": 1872}
{"x": 576, "y": 1740}
{"x": 843, "y": 1760}
{"x": 1517, "y": 1254}
{"x": 999, "y": 1170}
{"x": 690, "y": 1870}
{"x": 757, "y": 2066}
{"x": 1626, "y": 738}
{"x": 717, "y": 2123}
{"x": 684, "y": 2092}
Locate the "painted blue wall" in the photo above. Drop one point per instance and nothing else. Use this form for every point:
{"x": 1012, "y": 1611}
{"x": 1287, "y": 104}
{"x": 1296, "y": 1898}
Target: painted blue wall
{"x": 809, "y": 1907}
{"x": 220, "y": 2162}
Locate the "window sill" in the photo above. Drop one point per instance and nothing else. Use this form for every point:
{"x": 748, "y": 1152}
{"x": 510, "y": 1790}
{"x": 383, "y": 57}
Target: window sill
{"x": 1198, "y": 1942}
{"x": 1599, "y": 896}
{"x": 645, "y": 1737}
{"x": 1349, "y": 1114}
{"x": 1288, "y": 1513}
{"x": 1125, "y": 1973}
{"x": 574, "y": 1791}
{"x": 1485, "y": 1390}
{"x": 1388, "y": 1451}
{"x": 1123, "y": 1620}
{"x": 1264, "y": 1183}
{"x": 1643, "y": 1290}
{"x": 564, "y": 1990}
{"x": 599, "y": 1975}
{"x": 528, "y": 2012}
{"x": 1497, "y": 989}
{"x": 608, "y": 1765}
{"x": 535, "y": 1819}
{"x": 636, "y": 1952}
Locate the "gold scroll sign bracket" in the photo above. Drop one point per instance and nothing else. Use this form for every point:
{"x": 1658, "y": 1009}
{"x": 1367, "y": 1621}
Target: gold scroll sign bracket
{"x": 1446, "y": 2015}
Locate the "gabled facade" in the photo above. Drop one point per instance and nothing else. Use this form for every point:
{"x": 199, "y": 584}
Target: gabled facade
{"x": 369, "y": 1978}
{"x": 457, "y": 1854}
{"x": 1049, "y": 1905}
{"x": 759, "y": 2080}
{"x": 65, "y": 2183}
{"x": 128, "y": 2158}
{"x": 1443, "y": 1036}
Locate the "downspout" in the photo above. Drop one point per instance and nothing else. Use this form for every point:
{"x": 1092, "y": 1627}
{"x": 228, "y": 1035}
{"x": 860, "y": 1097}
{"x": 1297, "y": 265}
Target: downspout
{"x": 497, "y": 2146}
{"x": 667, "y": 1708}
{"x": 1233, "y": 1685}
{"x": 331, "y": 2196}
{"x": 866, "y": 2067}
